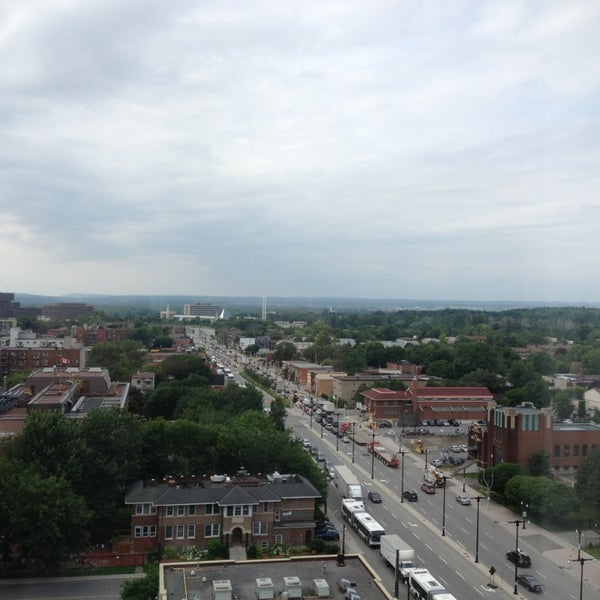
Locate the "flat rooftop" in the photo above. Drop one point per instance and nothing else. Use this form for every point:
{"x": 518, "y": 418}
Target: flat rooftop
{"x": 194, "y": 580}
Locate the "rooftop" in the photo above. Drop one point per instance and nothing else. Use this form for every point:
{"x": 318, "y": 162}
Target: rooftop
{"x": 243, "y": 578}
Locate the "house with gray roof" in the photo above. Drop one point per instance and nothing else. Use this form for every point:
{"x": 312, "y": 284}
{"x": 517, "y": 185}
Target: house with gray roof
{"x": 247, "y": 510}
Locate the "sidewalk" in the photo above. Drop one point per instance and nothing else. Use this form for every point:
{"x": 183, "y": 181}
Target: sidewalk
{"x": 560, "y": 548}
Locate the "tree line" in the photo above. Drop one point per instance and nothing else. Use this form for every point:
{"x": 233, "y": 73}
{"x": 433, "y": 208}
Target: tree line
{"x": 63, "y": 481}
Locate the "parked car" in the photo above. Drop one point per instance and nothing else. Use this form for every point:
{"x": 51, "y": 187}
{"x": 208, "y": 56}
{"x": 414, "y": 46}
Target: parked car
{"x": 345, "y": 439}
{"x": 410, "y": 495}
{"x": 519, "y": 557}
{"x": 374, "y": 497}
{"x": 427, "y": 488}
{"x": 530, "y": 583}
{"x": 464, "y": 500}
{"x": 329, "y": 535}
{"x": 384, "y": 423}
{"x": 437, "y": 462}
{"x": 455, "y": 448}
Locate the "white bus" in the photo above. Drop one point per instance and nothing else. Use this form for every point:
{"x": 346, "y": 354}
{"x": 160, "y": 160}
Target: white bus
{"x": 368, "y": 528}
{"x": 423, "y": 585}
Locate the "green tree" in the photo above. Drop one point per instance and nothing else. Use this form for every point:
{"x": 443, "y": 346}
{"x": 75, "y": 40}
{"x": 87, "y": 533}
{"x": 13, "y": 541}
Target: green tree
{"x": 539, "y": 463}
{"x": 180, "y": 366}
{"x": 121, "y": 360}
{"x": 145, "y": 588}
{"x": 542, "y": 363}
{"x": 41, "y": 515}
{"x": 590, "y": 361}
{"x": 563, "y": 401}
{"x": 277, "y": 413}
{"x": 112, "y": 459}
{"x": 587, "y": 479}
{"x": 50, "y": 444}
{"x": 499, "y": 476}
{"x": 284, "y": 351}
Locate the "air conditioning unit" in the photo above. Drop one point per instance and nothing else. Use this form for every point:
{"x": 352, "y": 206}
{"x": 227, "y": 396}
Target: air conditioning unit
{"x": 292, "y": 587}
{"x": 321, "y": 588}
{"x": 264, "y": 588}
{"x": 222, "y": 589}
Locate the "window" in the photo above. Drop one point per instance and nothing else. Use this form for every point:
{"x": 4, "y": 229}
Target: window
{"x": 145, "y": 509}
{"x": 211, "y": 509}
{"x": 181, "y": 510}
{"x": 192, "y": 510}
{"x": 259, "y": 528}
{"x": 191, "y": 531}
{"x": 211, "y": 530}
{"x": 180, "y": 531}
{"x": 277, "y": 515}
{"x": 169, "y": 532}
{"x": 169, "y": 511}
{"x": 144, "y": 531}
{"x": 556, "y": 451}
{"x": 238, "y": 510}
{"x": 566, "y": 450}
{"x": 584, "y": 450}
{"x": 266, "y": 506}
{"x": 279, "y": 539}
{"x": 576, "y": 450}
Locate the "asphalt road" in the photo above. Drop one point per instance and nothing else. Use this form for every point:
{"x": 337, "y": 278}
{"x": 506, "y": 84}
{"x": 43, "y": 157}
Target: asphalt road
{"x": 64, "y": 588}
{"x": 450, "y": 558}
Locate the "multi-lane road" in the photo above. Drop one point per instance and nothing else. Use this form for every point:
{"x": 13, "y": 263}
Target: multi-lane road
{"x": 446, "y": 539}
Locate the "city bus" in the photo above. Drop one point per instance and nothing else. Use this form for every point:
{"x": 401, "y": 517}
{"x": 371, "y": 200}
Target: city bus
{"x": 367, "y": 528}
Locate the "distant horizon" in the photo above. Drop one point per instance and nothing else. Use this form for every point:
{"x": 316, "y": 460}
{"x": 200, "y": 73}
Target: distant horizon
{"x": 322, "y": 302}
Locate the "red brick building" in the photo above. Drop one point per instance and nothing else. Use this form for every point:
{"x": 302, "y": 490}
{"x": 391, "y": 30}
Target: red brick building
{"x": 245, "y": 509}
{"x": 513, "y": 434}
{"x": 419, "y": 403}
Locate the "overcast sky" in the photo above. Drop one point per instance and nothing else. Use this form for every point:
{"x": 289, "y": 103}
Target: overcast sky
{"x": 384, "y": 149}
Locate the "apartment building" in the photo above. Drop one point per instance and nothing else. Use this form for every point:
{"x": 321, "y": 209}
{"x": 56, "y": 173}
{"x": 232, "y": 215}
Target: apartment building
{"x": 247, "y": 510}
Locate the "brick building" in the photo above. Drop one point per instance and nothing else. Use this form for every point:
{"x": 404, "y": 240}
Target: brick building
{"x": 419, "y": 403}
{"x": 66, "y": 310}
{"x": 513, "y": 434}
{"x": 92, "y": 336}
{"x": 247, "y": 510}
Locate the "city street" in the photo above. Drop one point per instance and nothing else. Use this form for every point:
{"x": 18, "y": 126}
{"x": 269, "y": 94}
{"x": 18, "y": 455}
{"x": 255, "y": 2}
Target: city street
{"x": 450, "y": 557}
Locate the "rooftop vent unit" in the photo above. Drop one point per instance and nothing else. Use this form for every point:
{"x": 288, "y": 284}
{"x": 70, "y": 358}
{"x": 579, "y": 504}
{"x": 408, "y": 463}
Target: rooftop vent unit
{"x": 222, "y": 589}
{"x": 264, "y": 588}
{"x": 292, "y": 587}
{"x": 321, "y": 588}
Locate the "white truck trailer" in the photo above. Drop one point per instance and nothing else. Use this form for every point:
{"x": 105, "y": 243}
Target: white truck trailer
{"x": 396, "y": 551}
{"x": 347, "y": 483}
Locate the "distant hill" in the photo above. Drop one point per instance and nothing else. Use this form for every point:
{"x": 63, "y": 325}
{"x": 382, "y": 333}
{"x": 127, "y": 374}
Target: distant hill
{"x": 274, "y": 303}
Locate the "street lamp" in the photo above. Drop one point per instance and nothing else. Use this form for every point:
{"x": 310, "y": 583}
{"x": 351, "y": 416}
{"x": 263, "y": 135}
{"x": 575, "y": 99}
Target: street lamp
{"x": 444, "y": 507}
{"x": 373, "y": 453}
{"x": 464, "y": 475}
{"x": 426, "y": 457}
{"x": 353, "y": 427}
{"x": 581, "y": 561}
{"x": 479, "y": 499}
{"x": 579, "y": 536}
{"x": 516, "y": 523}
{"x": 337, "y": 432}
{"x": 524, "y": 507}
{"x": 402, "y": 453}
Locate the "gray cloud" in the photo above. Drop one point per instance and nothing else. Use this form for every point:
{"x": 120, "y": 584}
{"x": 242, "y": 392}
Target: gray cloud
{"x": 303, "y": 148}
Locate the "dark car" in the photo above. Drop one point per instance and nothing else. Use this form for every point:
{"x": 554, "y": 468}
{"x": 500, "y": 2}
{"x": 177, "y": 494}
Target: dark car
{"x": 329, "y": 535}
{"x": 411, "y": 495}
{"x": 530, "y": 583}
{"x": 384, "y": 423}
{"x": 374, "y": 497}
{"x": 520, "y": 558}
